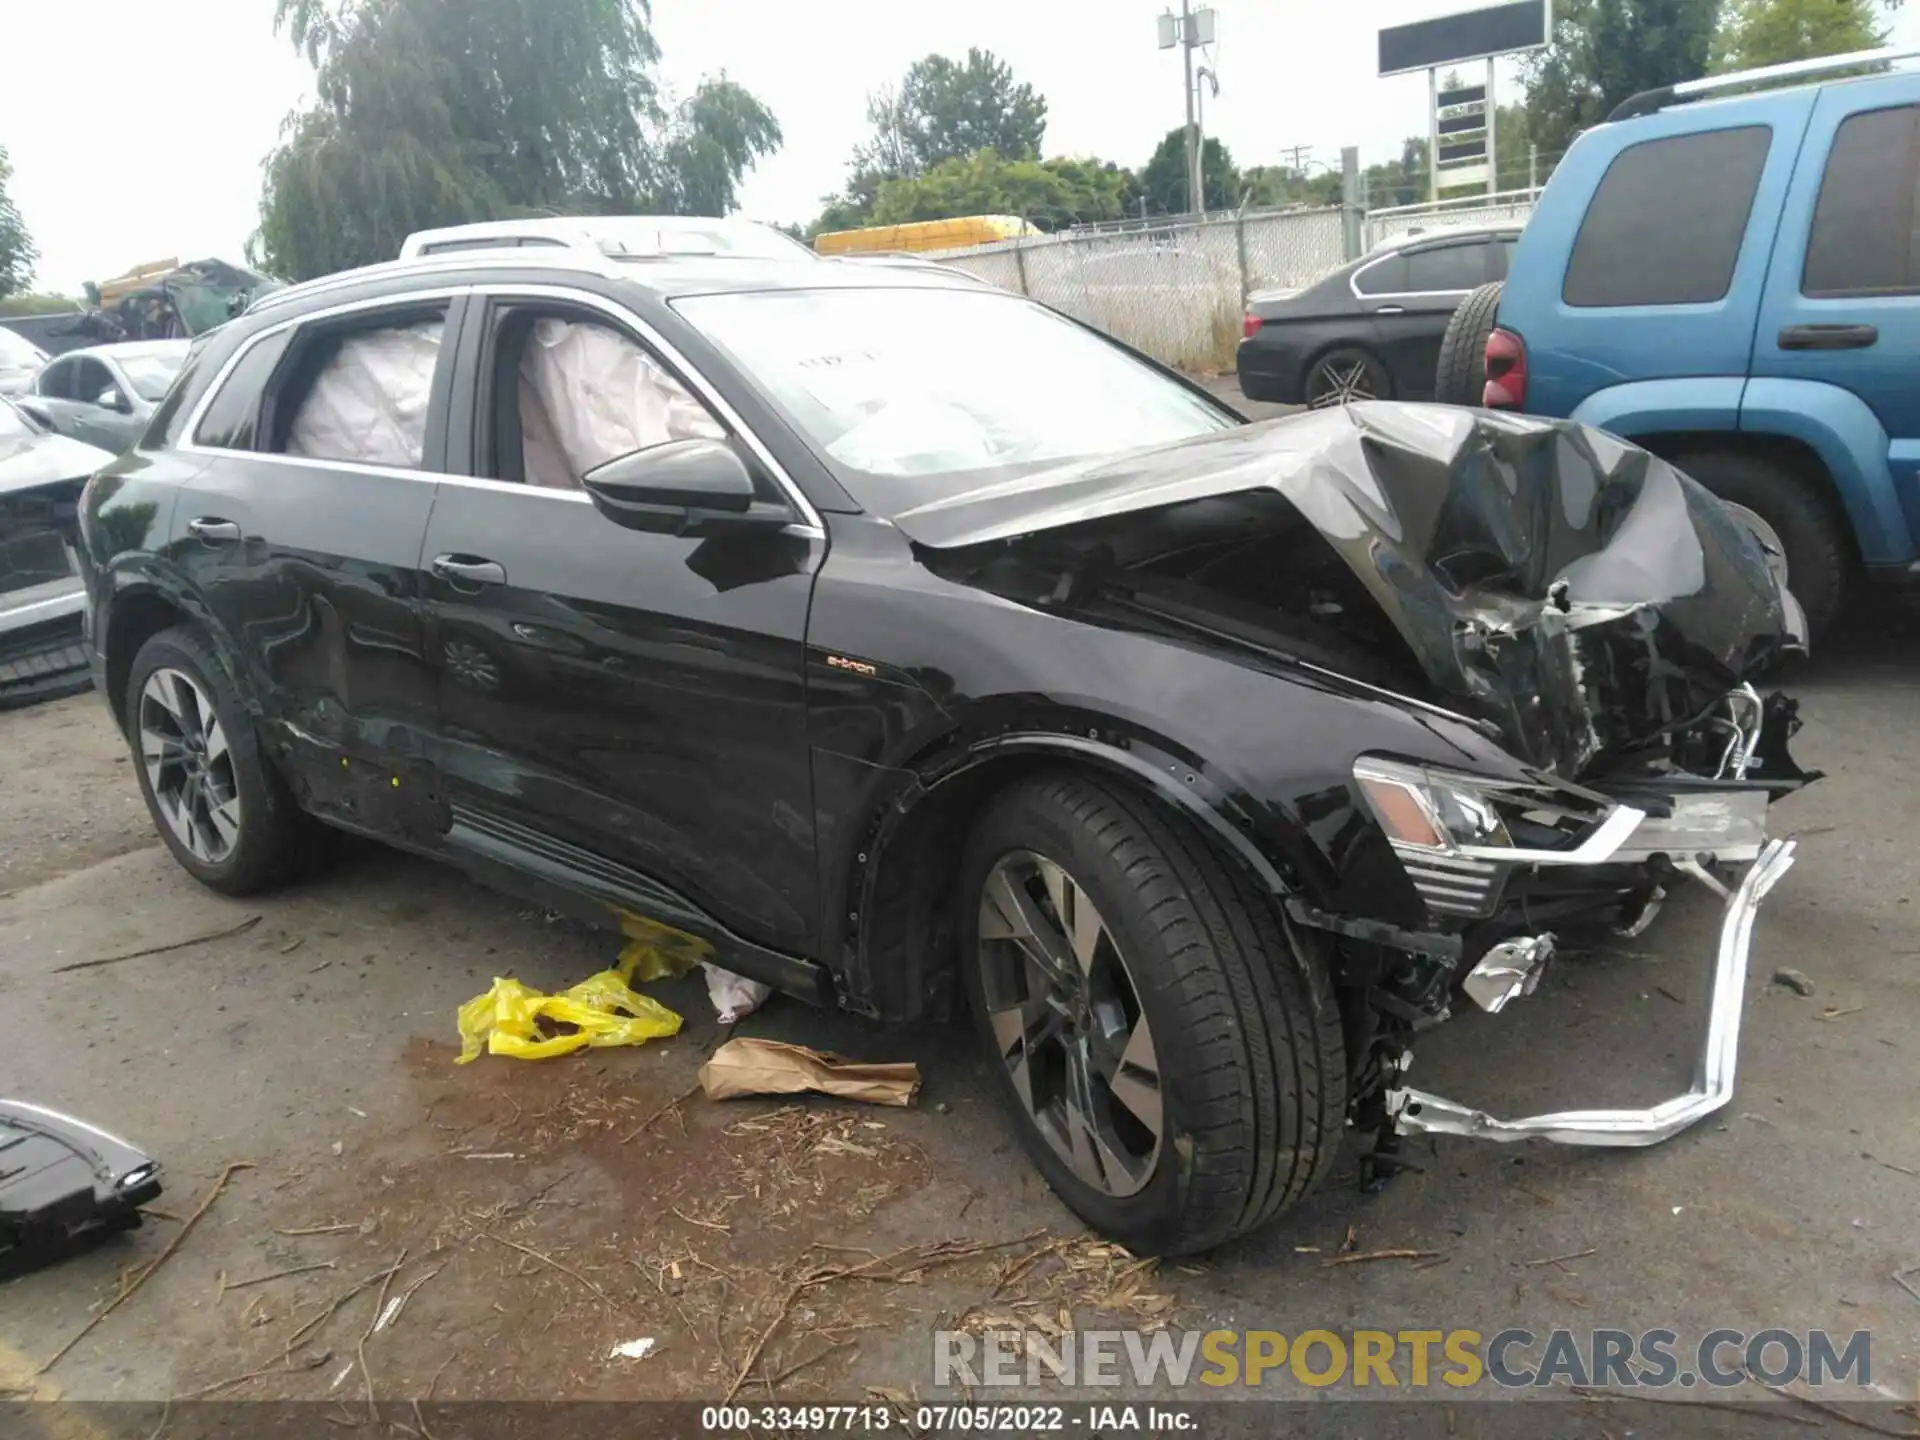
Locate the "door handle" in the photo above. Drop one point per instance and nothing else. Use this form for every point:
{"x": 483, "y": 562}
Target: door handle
{"x": 469, "y": 570}
{"x": 1828, "y": 337}
{"x": 1391, "y": 310}
{"x": 213, "y": 531}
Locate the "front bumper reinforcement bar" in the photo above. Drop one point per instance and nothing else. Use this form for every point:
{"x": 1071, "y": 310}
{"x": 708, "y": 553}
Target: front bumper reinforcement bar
{"x": 1415, "y": 1112}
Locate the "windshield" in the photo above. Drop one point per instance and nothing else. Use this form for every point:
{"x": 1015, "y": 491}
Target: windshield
{"x": 150, "y": 375}
{"x": 914, "y": 394}
{"x": 18, "y": 353}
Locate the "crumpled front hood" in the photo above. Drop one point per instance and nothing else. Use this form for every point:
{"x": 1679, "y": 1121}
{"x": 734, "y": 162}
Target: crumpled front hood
{"x": 1571, "y": 588}
{"x": 39, "y": 459}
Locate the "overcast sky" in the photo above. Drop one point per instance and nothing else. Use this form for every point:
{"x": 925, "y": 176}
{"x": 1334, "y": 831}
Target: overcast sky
{"x": 137, "y": 127}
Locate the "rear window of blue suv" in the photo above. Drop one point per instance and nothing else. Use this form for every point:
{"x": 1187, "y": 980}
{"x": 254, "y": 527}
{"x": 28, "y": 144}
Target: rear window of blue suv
{"x": 1684, "y": 201}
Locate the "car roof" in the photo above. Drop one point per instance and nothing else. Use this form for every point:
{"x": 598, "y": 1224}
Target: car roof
{"x": 1443, "y": 231}
{"x": 665, "y": 279}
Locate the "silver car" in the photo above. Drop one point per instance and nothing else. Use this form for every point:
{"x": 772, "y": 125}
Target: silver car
{"x": 105, "y": 394}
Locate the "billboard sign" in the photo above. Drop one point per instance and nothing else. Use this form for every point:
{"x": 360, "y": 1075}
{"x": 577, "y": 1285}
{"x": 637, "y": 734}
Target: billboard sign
{"x": 1469, "y": 35}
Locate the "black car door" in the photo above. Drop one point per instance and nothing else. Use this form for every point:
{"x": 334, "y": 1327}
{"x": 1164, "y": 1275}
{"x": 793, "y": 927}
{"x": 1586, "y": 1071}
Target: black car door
{"x": 1411, "y": 297}
{"x": 622, "y": 712}
{"x": 301, "y": 535}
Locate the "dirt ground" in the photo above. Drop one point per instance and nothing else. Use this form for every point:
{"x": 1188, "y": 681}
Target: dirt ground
{"x": 516, "y": 1222}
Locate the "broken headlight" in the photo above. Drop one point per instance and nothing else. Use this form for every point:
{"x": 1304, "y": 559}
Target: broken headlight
{"x": 1458, "y": 834}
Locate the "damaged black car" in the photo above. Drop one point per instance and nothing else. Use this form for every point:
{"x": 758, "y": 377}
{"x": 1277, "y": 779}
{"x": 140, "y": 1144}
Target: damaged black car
{"x": 927, "y": 653}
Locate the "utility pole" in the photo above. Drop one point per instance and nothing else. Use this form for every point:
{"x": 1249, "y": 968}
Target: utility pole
{"x": 1196, "y": 192}
{"x": 1190, "y": 30}
{"x": 1297, "y": 156}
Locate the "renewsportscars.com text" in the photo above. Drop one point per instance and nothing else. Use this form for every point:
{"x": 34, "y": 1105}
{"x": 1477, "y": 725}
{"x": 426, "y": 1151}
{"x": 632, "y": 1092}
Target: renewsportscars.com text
{"x": 1401, "y": 1359}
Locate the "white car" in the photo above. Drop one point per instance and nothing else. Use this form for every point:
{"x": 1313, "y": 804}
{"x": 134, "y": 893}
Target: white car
{"x": 636, "y": 236}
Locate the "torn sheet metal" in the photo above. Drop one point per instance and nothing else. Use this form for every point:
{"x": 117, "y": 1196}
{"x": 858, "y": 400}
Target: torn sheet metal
{"x": 1575, "y": 590}
{"x": 368, "y": 405}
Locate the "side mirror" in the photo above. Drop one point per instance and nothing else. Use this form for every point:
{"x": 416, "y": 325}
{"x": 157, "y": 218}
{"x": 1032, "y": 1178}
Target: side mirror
{"x": 111, "y": 399}
{"x": 684, "y": 487}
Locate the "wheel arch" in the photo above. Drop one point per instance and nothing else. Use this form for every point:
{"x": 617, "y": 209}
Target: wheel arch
{"x": 135, "y": 616}
{"x": 900, "y": 921}
{"x": 139, "y": 605}
{"x": 1678, "y": 446}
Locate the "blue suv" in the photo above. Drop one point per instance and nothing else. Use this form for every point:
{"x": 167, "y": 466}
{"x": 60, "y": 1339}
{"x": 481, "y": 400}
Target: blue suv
{"x": 1734, "y": 283}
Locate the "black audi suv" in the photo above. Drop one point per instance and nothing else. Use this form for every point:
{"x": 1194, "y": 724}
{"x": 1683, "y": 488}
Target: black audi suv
{"x": 923, "y": 651}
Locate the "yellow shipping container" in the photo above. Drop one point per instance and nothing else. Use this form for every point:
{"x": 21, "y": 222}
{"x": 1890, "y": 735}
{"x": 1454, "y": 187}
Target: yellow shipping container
{"x": 923, "y": 235}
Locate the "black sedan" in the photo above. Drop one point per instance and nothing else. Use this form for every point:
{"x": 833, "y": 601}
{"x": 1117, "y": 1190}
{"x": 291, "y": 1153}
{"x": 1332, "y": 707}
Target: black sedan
{"x": 1370, "y": 330}
{"x": 921, "y": 650}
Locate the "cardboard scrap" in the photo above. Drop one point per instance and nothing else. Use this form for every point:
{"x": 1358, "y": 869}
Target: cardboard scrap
{"x": 749, "y": 1066}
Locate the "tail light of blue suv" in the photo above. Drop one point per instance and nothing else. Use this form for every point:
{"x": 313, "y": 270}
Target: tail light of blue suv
{"x": 1506, "y": 387}
{"x": 1249, "y": 325}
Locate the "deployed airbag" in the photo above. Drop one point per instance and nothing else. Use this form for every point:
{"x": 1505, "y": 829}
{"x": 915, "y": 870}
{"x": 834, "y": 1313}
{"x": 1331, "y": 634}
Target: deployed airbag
{"x": 368, "y": 404}
{"x": 589, "y": 394}
{"x": 1573, "y": 589}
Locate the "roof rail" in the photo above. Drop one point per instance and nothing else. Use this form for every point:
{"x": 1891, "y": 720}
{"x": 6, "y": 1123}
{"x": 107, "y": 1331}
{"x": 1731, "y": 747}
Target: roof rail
{"x": 1648, "y": 102}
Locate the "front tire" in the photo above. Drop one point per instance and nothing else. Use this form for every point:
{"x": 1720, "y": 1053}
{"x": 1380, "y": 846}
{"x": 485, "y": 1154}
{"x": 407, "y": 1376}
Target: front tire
{"x": 1168, "y": 1046}
{"x": 222, "y": 810}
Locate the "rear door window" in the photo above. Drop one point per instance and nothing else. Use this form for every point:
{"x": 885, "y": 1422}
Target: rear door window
{"x": 357, "y": 391}
{"x": 56, "y": 381}
{"x": 1866, "y": 225}
{"x": 1448, "y": 267}
{"x": 1383, "y": 277}
{"x": 1665, "y": 225}
{"x": 230, "y": 419}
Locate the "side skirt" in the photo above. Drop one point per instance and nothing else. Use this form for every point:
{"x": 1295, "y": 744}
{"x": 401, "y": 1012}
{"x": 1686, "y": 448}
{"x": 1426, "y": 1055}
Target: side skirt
{"x": 594, "y": 889}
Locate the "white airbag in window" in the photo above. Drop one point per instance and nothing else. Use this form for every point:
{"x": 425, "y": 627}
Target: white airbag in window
{"x": 369, "y": 403}
{"x": 589, "y": 394}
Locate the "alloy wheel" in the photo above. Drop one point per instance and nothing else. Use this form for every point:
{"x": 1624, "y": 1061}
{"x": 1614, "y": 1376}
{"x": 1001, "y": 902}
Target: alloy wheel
{"x": 189, "y": 765}
{"x": 1067, "y": 1023}
{"x": 1340, "y": 381}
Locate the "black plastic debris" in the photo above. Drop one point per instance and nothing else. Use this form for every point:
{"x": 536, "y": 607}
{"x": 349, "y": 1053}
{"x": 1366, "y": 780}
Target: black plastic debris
{"x": 64, "y": 1184}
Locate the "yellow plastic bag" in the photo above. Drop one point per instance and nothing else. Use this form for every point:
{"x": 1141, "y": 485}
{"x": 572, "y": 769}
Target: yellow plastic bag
{"x": 657, "y": 952}
{"x": 603, "y": 1009}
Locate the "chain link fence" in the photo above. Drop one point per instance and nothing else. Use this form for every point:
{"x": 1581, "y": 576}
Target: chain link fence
{"x": 1177, "y": 288}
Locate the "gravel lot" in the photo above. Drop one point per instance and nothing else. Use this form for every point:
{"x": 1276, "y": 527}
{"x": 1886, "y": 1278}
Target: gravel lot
{"x": 317, "y": 1046}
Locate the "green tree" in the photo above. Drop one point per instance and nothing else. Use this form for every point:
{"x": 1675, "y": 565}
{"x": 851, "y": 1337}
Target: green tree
{"x": 1053, "y": 194}
{"x": 436, "y": 112}
{"x": 942, "y": 110}
{"x": 1163, "y": 180}
{"x": 949, "y": 111}
{"x": 1402, "y": 181}
{"x": 1606, "y": 50}
{"x": 1770, "y": 32}
{"x": 17, "y": 251}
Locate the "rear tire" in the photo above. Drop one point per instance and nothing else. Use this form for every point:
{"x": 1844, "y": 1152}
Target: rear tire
{"x": 1461, "y": 378}
{"x": 221, "y": 808}
{"x": 1812, "y": 532}
{"x": 1344, "y": 375}
{"x": 1217, "y": 1019}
